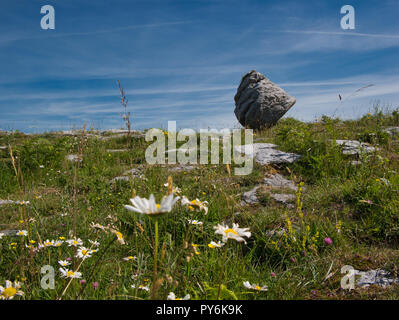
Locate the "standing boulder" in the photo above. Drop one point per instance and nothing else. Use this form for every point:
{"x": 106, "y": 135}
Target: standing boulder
{"x": 259, "y": 102}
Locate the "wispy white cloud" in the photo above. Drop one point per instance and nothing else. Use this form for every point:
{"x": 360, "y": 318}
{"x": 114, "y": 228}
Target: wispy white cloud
{"x": 7, "y": 38}
{"x": 347, "y": 34}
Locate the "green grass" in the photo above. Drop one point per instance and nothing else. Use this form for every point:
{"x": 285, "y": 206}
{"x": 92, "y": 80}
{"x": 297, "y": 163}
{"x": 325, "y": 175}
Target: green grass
{"x": 357, "y": 207}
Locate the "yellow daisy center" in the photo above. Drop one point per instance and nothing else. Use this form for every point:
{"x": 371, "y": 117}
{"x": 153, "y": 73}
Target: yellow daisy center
{"x": 158, "y": 205}
{"x": 84, "y": 252}
{"x": 227, "y": 231}
{"x": 9, "y": 292}
{"x": 257, "y": 288}
{"x": 70, "y": 274}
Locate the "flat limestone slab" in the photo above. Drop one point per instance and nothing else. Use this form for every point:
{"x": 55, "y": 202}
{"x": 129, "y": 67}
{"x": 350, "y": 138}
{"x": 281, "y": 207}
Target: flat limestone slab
{"x": 352, "y": 147}
{"x": 283, "y": 198}
{"x": 278, "y": 181}
{"x": 250, "y": 196}
{"x": 265, "y": 153}
{"x": 379, "y": 277}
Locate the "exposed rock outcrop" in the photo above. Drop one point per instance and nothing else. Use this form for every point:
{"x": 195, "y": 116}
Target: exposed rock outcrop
{"x": 259, "y": 102}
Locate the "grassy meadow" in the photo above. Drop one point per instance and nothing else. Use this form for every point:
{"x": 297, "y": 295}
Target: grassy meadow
{"x": 344, "y": 214}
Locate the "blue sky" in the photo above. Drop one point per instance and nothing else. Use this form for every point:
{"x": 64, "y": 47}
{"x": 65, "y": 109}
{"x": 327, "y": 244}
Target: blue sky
{"x": 183, "y": 60}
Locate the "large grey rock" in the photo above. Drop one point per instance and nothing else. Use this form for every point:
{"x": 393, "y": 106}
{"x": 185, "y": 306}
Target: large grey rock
{"x": 265, "y": 153}
{"x": 259, "y": 102}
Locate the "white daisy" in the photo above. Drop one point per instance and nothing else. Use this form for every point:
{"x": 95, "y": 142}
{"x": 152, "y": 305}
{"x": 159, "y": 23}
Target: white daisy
{"x": 119, "y": 236}
{"x": 94, "y": 243}
{"x": 1, "y": 235}
{"x": 141, "y": 287}
{"x": 70, "y": 274}
{"x": 22, "y": 233}
{"x": 84, "y": 253}
{"x": 175, "y": 190}
{"x": 97, "y": 226}
{"x": 150, "y": 207}
{"x": 172, "y": 296}
{"x": 64, "y": 263}
{"x": 57, "y": 243}
{"x": 129, "y": 258}
{"x": 195, "y": 222}
{"x": 213, "y": 244}
{"x": 74, "y": 242}
{"x": 48, "y": 243}
{"x": 254, "y": 286}
{"x": 10, "y": 290}
{"x": 195, "y": 204}
{"x": 234, "y": 232}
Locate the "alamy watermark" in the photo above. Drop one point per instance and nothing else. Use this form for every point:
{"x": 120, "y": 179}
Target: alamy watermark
{"x": 187, "y": 153}
{"x": 47, "y": 280}
{"x": 48, "y": 20}
{"x": 348, "y": 281}
{"x": 348, "y": 20}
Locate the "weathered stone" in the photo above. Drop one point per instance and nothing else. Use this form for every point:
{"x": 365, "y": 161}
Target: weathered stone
{"x": 379, "y": 277}
{"x": 266, "y": 154}
{"x": 135, "y": 172}
{"x": 250, "y": 197}
{"x": 283, "y": 198}
{"x": 259, "y": 102}
{"x": 121, "y": 178}
{"x": 129, "y": 174}
{"x": 278, "y": 181}
{"x": 353, "y": 147}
